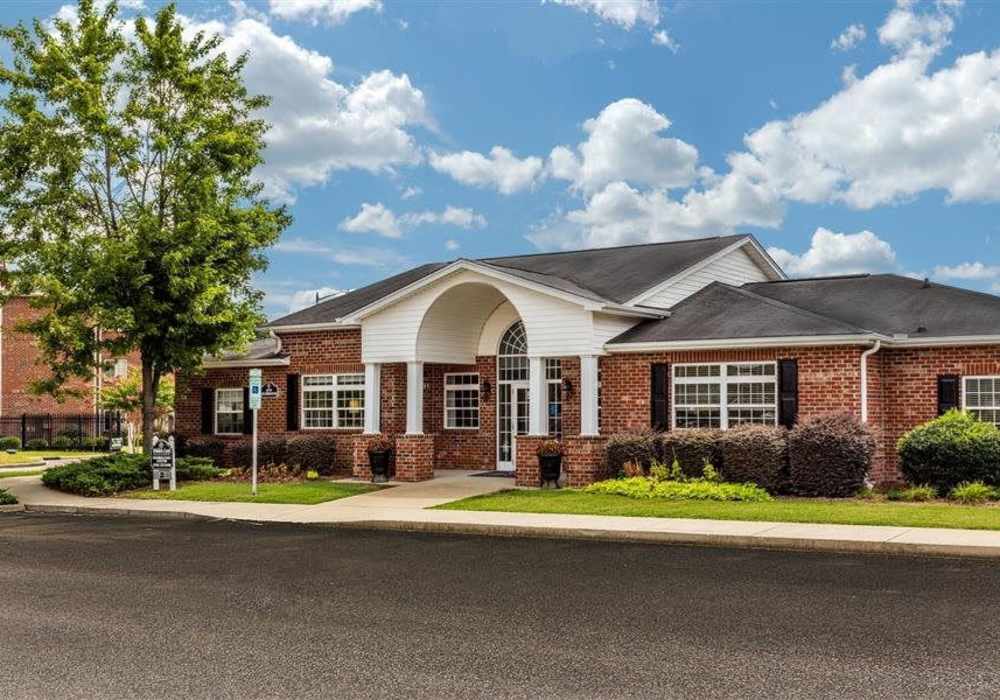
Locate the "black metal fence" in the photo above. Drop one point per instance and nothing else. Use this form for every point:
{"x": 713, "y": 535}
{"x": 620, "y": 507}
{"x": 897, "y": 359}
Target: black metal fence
{"x": 48, "y": 427}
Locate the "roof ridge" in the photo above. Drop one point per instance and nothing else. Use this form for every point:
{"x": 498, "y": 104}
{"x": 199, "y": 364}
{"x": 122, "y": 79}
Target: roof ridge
{"x": 597, "y": 296}
{"x": 614, "y": 247}
{"x": 821, "y": 278}
{"x": 785, "y": 306}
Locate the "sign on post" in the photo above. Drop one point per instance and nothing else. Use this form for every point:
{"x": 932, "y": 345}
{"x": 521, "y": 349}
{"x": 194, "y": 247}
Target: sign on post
{"x": 164, "y": 462}
{"x": 255, "y": 396}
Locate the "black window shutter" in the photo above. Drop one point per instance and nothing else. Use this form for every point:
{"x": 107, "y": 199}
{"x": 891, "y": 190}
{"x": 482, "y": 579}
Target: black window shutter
{"x": 207, "y": 411}
{"x": 247, "y": 413}
{"x": 659, "y": 401}
{"x": 947, "y": 393}
{"x": 292, "y": 402}
{"x": 788, "y": 392}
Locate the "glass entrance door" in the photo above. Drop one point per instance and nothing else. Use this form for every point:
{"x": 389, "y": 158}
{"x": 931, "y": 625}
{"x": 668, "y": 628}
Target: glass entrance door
{"x": 512, "y": 420}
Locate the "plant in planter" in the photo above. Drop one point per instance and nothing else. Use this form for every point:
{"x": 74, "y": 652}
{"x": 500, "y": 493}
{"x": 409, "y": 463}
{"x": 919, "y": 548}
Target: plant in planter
{"x": 550, "y": 454}
{"x": 379, "y": 452}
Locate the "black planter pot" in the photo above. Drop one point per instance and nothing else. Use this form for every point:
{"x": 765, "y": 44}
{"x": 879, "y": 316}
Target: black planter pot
{"x": 550, "y": 467}
{"x": 379, "y": 463}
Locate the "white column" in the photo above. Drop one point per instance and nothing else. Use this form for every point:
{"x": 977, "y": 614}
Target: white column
{"x": 588, "y": 395}
{"x": 537, "y": 397}
{"x": 373, "y": 397}
{"x": 414, "y": 398}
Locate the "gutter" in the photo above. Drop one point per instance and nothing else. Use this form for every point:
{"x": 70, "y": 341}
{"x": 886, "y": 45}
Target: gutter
{"x": 864, "y": 378}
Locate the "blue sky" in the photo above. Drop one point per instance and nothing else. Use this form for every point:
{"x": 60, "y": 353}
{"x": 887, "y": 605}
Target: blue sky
{"x": 846, "y": 136}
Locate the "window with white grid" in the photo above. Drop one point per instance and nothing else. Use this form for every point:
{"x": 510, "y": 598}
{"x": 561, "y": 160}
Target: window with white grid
{"x": 725, "y": 395}
{"x": 461, "y": 401}
{"x": 981, "y": 398}
{"x": 229, "y": 411}
{"x": 333, "y": 401}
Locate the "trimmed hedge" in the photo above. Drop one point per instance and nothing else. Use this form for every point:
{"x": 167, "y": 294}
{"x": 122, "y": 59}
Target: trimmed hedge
{"x": 950, "y": 450}
{"x": 63, "y": 442}
{"x": 111, "y": 474}
{"x": 269, "y": 451}
{"x": 641, "y": 449}
{"x": 7, "y": 498}
{"x": 830, "y": 456}
{"x": 692, "y": 449}
{"x": 10, "y": 443}
{"x": 209, "y": 448}
{"x": 315, "y": 452}
{"x": 37, "y": 444}
{"x": 756, "y": 454}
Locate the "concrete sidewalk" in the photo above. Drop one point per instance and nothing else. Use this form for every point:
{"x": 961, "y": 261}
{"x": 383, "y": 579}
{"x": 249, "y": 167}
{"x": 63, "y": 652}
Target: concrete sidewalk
{"x": 405, "y": 508}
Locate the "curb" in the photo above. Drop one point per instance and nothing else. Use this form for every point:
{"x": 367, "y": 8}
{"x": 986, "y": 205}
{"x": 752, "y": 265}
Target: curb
{"x": 19, "y": 467}
{"x": 798, "y": 544}
{"x": 15, "y": 508}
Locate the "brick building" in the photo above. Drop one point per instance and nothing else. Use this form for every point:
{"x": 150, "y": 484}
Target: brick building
{"x": 20, "y": 366}
{"x": 469, "y": 364}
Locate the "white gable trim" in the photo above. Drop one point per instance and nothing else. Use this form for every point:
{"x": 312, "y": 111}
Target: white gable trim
{"x": 490, "y": 271}
{"x": 745, "y": 343}
{"x": 756, "y": 252}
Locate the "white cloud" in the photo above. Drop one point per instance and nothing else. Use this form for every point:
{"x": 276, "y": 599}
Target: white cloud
{"x": 624, "y": 13}
{"x": 377, "y": 218}
{"x": 832, "y": 253}
{"x": 849, "y": 38}
{"x": 661, "y": 38}
{"x": 410, "y": 192}
{"x": 332, "y": 12}
{"x": 380, "y": 257}
{"x": 301, "y": 298}
{"x": 501, "y": 170}
{"x": 317, "y": 124}
{"x": 373, "y": 218}
{"x": 968, "y": 271}
{"x": 451, "y": 244}
{"x": 624, "y": 143}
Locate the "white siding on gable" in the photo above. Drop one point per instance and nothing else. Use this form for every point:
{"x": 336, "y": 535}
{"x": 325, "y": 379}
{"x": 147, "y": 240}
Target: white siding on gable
{"x": 607, "y": 327}
{"x": 735, "y": 268}
{"x": 399, "y": 333}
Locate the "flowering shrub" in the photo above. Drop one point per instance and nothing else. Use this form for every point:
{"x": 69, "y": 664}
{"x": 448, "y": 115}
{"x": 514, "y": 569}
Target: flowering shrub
{"x": 549, "y": 448}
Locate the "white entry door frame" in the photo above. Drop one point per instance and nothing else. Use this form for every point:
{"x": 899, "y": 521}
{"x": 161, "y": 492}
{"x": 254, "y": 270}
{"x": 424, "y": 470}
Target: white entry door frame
{"x": 512, "y": 420}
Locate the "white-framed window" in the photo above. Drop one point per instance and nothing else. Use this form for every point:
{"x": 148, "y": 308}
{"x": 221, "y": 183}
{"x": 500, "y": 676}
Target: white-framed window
{"x": 116, "y": 369}
{"x": 553, "y": 383}
{"x": 981, "y": 398}
{"x": 229, "y": 411}
{"x": 724, "y": 395}
{"x": 461, "y": 401}
{"x": 333, "y": 401}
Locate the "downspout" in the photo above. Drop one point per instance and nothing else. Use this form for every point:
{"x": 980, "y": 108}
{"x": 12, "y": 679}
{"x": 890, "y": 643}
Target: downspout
{"x": 864, "y": 378}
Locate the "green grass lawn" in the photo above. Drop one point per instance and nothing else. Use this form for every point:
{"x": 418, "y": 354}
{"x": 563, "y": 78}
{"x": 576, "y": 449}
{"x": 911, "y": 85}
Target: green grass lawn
{"x": 28, "y": 456}
{"x": 8, "y": 473}
{"x": 295, "y": 492}
{"x": 792, "y": 510}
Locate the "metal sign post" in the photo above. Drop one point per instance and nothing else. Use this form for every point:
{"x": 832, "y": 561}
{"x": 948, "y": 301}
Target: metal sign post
{"x": 164, "y": 462}
{"x": 255, "y": 394}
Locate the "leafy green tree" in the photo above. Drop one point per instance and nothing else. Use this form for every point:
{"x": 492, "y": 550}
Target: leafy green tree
{"x": 126, "y": 199}
{"x": 125, "y": 394}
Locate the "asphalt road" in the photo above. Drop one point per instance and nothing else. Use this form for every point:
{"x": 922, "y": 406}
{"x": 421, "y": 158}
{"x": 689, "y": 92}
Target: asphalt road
{"x": 117, "y": 607}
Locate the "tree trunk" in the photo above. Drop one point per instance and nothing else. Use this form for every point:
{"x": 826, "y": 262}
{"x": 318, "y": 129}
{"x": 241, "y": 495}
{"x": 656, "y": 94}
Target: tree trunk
{"x": 150, "y": 378}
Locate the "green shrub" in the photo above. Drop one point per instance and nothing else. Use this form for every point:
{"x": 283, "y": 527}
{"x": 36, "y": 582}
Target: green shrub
{"x": 913, "y": 494}
{"x": 7, "y": 498}
{"x": 693, "y": 489}
{"x": 96, "y": 443}
{"x": 756, "y": 454}
{"x": 639, "y": 449}
{"x": 62, "y": 442}
{"x": 111, "y": 474}
{"x": 692, "y": 449}
{"x": 269, "y": 451}
{"x": 312, "y": 475}
{"x": 211, "y": 448}
{"x": 37, "y": 444}
{"x": 316, "y": 452}
{"x": 829, "y": 456}
{"x": 951, "y": 449}
{"x": 972, "y": 492}
{"x": 10, "y": 443}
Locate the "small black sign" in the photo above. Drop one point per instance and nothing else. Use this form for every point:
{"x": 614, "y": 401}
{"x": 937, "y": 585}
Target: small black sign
{"x": 269, "y": 391}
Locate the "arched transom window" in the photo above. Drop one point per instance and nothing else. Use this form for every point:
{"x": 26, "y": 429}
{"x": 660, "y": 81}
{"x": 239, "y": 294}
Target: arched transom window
{"x": 512, "y": 355}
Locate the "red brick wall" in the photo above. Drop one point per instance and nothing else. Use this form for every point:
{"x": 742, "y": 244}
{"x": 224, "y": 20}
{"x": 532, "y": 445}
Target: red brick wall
{"x": 462, "y": 449}
{"x": 311, "y": 353}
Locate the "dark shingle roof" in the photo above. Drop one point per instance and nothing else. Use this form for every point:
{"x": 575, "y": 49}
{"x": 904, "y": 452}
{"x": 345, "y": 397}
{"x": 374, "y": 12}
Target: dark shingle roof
{"x": 619, "y": 274}
{"x": 721, "y": 311}
{"x": 330, "y": 310}
{"x": 608, "y": 275}
{"x": 891, "y": 304}
{"x": 856, "y": 304}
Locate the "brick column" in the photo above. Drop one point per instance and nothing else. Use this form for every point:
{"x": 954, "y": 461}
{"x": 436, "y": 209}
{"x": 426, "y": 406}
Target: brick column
{"x": 415, "y": 457}
{"x": 359, "y": 448}
{"x": 526, "y": 471}
{"x": 583, "y": 460}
